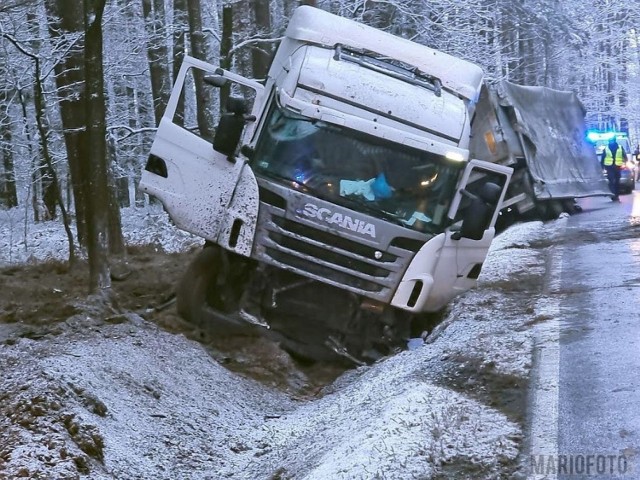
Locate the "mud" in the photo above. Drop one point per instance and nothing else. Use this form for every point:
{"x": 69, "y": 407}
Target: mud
{"x": 603, "y": 232}
{"x": 479, "y": 379}
{"x": 41, "y": 300}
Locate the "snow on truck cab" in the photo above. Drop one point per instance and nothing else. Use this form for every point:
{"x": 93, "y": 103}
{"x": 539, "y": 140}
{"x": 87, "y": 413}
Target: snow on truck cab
{"x": 342, "y": 204}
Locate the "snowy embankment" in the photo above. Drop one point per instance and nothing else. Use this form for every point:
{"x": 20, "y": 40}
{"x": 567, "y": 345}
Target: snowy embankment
{"x": 120, "y": 398}
{"x": 22, "y": 242}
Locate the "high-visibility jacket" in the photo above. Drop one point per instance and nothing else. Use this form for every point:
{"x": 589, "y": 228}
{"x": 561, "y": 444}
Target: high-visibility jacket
{"x": 608, "y": 157}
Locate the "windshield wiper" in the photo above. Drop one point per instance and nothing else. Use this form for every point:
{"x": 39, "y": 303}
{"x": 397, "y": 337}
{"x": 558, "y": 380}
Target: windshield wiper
{"x": 296, "y": 185}
{"x": 412, "y": 76}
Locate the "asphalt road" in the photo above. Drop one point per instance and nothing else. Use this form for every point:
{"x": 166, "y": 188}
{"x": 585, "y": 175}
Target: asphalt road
{"x": 588, "y": 364}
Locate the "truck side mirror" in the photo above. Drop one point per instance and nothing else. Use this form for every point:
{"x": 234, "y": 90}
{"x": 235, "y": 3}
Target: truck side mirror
{"x": 230, "y": 128}
{"x": 477, "y": 215}
{"x": 216, "y": 80}
{"x": 228, "y": 133}
{"x": 237, "y": 105}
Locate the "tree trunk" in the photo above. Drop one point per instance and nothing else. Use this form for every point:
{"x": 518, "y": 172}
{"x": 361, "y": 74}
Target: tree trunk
{"x": 67, "y": 16}
{"x": 34, "y": 176}
{"x": 49, "y": 183}
{"x": 179, "y": 45}
{"x": 47, "y": 180}
{"x": 96, "y": 165}
{"x": 226, "y": 43}
{"x": 243, "y": 29}
{"x": 261, "y": 55}
{"x": 43, "y": 131}
{"x": 154, "y": 15}
{"x": 8, "y": 192}
{"x": 198, "y": 50}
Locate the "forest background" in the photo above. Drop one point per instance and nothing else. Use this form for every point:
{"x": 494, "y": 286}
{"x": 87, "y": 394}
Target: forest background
{"x": 83, "y": 83}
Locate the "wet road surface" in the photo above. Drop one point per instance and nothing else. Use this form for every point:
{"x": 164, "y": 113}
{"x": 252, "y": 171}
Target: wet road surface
{"x": 593, "y": 349}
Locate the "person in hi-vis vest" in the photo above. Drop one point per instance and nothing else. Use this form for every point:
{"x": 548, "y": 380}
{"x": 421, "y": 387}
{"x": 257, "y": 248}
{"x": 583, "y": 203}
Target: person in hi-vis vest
{"x": 613, "y": 158}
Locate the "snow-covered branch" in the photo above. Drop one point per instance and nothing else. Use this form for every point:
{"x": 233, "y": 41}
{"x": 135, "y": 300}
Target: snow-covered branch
{"x": 130, "y": 131}
{"x": 254, "y": 41}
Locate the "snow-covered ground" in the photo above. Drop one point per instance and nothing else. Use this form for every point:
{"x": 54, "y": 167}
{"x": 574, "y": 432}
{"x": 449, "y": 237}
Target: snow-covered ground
{"x": 22, "y": 242}
{"x": 121, "y": 398}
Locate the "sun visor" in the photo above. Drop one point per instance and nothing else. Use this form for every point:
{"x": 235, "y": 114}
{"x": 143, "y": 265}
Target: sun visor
{"x": 312, "y": 25}
{"x": 355, "y": 90}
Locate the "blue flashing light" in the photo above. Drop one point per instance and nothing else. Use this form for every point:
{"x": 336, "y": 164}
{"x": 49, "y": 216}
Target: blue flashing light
{"x": 597, "y": 136}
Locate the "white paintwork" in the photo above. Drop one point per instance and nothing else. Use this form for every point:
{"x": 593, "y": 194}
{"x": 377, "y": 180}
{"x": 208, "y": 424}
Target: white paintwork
{"x": 481, "y": 165}
{"x": 443, "y": 264}
{"x": 315, "y": 26}
{"x": 205, "y": 193}
{"x": 421, "y": 269}
{"x": 391, "y": 133}
{"x": 243, "y": 207}
{"x": 455, "y": 261}
{"x": 200, "y": 189}
{"x": 376, "y": 97}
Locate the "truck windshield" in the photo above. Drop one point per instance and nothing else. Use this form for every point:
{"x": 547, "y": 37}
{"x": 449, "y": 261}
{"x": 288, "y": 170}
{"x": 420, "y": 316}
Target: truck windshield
{"x": 368, "y": 174}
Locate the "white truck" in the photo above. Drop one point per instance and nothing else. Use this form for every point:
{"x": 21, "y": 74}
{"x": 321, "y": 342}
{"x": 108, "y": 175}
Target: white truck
{"x": 338, "y": 199}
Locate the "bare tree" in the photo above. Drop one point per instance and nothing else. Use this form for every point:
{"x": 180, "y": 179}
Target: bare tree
{"x": 43, "y": 130}
{"x": 199, "y": 50}
{"x": 8, "y": 193}
{"x": 96, "y": 169}
{"x": 155, "y": 17}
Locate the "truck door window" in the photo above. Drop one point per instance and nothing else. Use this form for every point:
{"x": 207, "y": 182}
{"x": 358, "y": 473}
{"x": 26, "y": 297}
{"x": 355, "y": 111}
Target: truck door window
{"x": 199, "y": 107}
{"x": 410, "y": 187}
{"x": 478, "y": 178}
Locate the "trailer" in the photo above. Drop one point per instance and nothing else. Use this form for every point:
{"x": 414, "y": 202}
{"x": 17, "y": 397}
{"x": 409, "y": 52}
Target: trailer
{"x": 541, "y": 133}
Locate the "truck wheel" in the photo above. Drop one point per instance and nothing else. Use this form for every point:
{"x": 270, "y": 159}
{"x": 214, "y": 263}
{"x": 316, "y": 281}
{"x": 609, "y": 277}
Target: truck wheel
{"x": 570, "y": 206}
{"x": 549, "y": 209}
{"x": 207, "y": 295}
{"x": 557, "y": 208}
{"x": 193, "y": 289}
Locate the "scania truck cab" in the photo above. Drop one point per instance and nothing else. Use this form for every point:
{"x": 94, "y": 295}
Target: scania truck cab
{"x": 337, "y": 198}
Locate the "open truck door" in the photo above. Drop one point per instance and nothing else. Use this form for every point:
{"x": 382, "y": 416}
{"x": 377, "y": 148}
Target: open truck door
{"x": 450, "y": 263}
{"x": 196, "y": 177}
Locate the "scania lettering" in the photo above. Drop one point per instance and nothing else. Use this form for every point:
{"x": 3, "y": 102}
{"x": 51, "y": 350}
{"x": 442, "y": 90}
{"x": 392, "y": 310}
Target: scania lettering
{"x": 337, "y": 198}
{"x": 343, "y": 221}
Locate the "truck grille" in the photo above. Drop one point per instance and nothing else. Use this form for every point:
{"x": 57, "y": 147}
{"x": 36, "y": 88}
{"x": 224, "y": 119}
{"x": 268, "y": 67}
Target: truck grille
{"x": 321, "y": 254}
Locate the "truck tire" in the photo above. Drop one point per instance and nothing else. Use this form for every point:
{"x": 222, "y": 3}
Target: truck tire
{"x": 200, "y": 294}
{"x": 191, "y": 293}
{"x": 548, "y": 209}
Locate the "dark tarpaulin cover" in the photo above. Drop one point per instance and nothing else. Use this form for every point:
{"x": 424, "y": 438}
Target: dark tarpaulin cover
{"x": 563, "y": 164}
